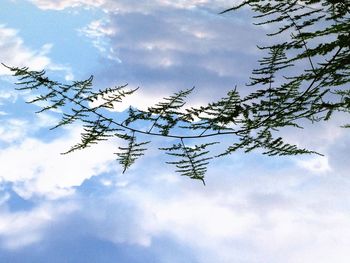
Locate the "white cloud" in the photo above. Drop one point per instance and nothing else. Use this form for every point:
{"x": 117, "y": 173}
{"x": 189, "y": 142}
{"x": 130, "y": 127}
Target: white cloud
{"x": 317, "y": 136}
{"x": 126, "y": 6}
{"x": 318, "y": 164}
{"x": 15, "y": 53}
{"x": 165, "y": 37}
{"x": 99, "y": 31}
{"x": 62, "y": 4}
{"x": 265, "y": 211}
{"x": 37, "y": 168}
{"x": 14, "y": 129}
{"x": 69, "y": 76}
{"x": 8, "y": 96}
{"x": 246, "y": 222}
{"x": 164, "y": 47}
{"x": 21, "y": 229}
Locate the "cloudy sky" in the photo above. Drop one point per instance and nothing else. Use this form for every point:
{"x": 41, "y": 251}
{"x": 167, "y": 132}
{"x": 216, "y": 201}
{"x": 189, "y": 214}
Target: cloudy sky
{"x": 81, "y": 208}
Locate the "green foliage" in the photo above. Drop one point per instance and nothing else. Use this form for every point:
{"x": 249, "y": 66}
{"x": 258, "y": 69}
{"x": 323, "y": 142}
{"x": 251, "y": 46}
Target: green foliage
{"x": 315, "y": 33}
{"x": 216, "y": 116}
{"x": 265, "y": 140}
{"x": 94, "y": 132}
{"x": 164, "y": 115}
{"x": 192, "y": 161}
{"x": 129, "y": 154}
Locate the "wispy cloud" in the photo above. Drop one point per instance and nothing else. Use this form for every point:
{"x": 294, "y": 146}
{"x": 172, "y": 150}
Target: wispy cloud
{"x": 62, "y": 4}
{"x": 15, "y": 53}
{"x": 99, "y": 33}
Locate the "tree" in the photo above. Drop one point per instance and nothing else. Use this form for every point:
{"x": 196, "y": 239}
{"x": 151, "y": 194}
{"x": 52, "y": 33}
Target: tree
{"x": 313, "y": 31}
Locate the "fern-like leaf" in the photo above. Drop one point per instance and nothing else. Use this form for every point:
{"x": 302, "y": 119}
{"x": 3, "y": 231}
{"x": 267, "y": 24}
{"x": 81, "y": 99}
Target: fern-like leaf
{"x": 129, "y": 154}
{"x": 165, "y": 115}
{"x": 94, "y": 132}
{"x": 192, "y": 160}
{"x": 217, "y": 116}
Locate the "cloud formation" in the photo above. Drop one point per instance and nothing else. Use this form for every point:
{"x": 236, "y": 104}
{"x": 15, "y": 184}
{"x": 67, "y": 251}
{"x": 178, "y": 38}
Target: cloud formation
{"x": 25, "y": 228}
{"x": 267, "y": 220}
{"x": 165, "y": 46}
{"x": 62, "y": 4}
{"x": 15, "y": 53}
{"x": 43, "y": 171}
{"x": 126, "y": 6}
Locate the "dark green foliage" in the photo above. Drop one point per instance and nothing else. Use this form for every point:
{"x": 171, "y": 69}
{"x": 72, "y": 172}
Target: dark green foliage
{"x": 164, "y": 115}
{"x": 311, "y": 30}
{"x": 216, "y": 116}
{"x": 94, "y": 132}
{"x": 314, "y": 32}
{"x": 270, "y": 65}
{"x": 129, "y": 154}
{"x": 304, "y": 74}
{"x": 265, "y": 140}
{"x": 192, "y": 160}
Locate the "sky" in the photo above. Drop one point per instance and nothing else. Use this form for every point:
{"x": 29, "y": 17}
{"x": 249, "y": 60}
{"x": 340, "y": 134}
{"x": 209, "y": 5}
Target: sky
{"x": 81, "y": 208}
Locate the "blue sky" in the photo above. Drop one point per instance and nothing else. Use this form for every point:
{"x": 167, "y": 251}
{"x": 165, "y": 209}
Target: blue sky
{"x": 81, "y": 208}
